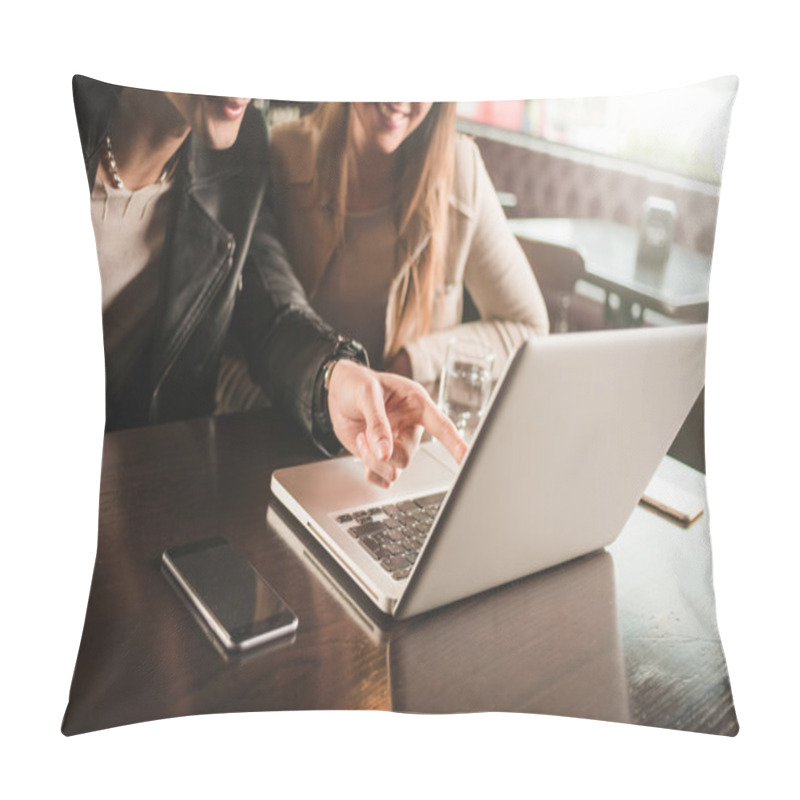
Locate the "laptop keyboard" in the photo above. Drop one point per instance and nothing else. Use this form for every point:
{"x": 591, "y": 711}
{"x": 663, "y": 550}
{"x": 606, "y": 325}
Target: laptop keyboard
{"x": 393, "y": 534}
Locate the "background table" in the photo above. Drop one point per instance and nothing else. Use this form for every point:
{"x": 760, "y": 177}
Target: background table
{"x": 679, "y": 290}
{"x": 626, "y": 635}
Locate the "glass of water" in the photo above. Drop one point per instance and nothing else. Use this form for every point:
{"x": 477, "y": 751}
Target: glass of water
{"x": 466, "y": 384}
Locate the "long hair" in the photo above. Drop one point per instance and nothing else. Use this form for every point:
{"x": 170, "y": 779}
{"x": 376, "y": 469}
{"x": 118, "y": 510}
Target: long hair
{"x": 423, "y": 182}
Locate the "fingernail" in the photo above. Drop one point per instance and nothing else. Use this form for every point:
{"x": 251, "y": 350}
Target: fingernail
{"x": 383, "y": 449}
{"x": 377, "y": 480}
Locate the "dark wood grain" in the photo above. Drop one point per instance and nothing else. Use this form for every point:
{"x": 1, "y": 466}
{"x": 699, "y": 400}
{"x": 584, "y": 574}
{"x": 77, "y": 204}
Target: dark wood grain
{"x": 627, "y": 635}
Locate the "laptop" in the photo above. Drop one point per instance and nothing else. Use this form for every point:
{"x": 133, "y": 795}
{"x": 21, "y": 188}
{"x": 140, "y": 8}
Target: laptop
{"x": 579, "y": 674}
{"x": 575, "y": 430}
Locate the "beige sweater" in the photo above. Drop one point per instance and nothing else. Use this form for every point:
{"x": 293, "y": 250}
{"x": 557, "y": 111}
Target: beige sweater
{"x": 482, "y": 253}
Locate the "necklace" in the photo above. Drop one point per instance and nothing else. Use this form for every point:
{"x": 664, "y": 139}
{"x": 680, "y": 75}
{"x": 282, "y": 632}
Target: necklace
{"x": 111, "y": 165}
{"x": 116, "y": 178}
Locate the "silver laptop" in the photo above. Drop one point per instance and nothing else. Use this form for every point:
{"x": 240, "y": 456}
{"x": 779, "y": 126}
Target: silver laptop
{"x": 575, "y": 430}
{"x": 581, "y": 674}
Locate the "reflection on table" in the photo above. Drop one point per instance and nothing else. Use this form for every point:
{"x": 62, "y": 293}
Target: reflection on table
{"x": 679, "y": 289}
{"x": 627, "y": 635}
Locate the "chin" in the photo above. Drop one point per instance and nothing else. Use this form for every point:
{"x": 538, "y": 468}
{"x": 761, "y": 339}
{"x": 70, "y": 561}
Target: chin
{"x": 220, "y": 138}
{"x": 390, "y": 144}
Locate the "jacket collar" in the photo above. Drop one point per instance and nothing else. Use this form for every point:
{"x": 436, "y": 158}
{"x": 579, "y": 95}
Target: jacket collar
{"x": 215, "y": 204}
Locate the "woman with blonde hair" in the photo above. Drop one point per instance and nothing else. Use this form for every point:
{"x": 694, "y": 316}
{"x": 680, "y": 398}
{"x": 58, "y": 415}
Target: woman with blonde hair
{"x": 386, "y": 213}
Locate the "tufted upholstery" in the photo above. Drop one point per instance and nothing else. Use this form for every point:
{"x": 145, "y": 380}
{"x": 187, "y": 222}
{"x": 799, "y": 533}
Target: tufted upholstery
{"x": 551, "y": 186}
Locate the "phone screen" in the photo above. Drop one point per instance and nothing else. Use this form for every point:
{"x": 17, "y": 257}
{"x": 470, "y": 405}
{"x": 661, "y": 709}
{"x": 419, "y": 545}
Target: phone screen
{"x": 229, "y": 593}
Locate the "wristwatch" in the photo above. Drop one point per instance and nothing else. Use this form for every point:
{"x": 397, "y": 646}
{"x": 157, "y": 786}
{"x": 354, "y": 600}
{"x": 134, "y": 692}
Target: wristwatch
{"x": 323, "y": 433}
{"x": 327, "y": 373}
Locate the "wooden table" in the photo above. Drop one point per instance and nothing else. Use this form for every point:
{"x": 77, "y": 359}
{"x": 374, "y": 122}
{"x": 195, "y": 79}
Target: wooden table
{"x": 624, "y": 635}
{"x": 679, "y": 290}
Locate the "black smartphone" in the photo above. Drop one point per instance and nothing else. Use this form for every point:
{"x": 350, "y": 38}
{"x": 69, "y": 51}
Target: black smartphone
{"x": 236, "y": 603}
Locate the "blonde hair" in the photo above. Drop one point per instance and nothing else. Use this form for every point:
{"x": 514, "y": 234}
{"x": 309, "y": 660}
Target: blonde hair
{"x": 424, "y": 178}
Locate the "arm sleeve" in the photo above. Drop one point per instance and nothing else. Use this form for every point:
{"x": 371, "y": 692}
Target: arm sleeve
{"x": 501, "y": 283}
{"x": 285, "y": 342}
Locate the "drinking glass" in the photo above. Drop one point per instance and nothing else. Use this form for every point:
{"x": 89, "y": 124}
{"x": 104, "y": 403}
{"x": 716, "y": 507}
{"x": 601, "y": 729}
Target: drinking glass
{"x": 466, "y": 384}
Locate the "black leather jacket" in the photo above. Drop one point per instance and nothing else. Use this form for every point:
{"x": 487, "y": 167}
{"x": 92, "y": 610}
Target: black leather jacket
{"x": 225, "y": 272}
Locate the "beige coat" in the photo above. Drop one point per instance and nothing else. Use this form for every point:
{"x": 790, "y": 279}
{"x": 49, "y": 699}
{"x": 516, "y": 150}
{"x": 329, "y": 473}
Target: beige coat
{"x": 482, "y": 253}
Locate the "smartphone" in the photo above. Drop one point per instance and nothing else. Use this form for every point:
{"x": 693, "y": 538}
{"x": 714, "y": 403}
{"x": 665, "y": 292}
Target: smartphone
{"x": 237, "y": 604}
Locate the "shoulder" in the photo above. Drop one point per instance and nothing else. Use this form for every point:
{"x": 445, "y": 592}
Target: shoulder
{"x": 467, "y": 172}
{"x": 293, "y": 149}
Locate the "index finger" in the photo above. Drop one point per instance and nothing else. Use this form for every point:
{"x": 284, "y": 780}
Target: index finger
{"x": 442, "y": 427}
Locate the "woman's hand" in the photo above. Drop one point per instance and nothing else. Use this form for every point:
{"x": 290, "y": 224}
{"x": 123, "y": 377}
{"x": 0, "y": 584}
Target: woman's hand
{"x": 380, "y": 417}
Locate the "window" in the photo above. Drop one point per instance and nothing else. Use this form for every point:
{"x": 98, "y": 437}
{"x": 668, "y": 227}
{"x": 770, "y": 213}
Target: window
{"x": 677, "y": 130}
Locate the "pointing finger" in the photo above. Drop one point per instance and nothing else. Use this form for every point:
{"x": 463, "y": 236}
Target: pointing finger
{"x": 378, "y": 430}
{"x": 442, "y": 427}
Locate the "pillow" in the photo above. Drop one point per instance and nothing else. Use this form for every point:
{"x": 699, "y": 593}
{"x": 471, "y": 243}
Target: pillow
{"x": 626, "y": 634}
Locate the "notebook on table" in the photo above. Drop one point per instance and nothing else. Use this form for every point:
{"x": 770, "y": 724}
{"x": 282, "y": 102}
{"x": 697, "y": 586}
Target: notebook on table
{"x": 573, "y": 434}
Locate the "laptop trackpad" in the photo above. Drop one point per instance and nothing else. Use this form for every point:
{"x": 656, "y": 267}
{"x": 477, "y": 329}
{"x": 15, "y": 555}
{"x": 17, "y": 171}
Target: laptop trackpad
{"x": 431, "y": 469}
{"x": 325, "y": 487}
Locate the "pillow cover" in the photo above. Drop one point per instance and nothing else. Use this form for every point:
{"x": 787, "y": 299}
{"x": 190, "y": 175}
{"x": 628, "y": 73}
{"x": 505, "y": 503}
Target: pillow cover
{"x": 628, "y": 634}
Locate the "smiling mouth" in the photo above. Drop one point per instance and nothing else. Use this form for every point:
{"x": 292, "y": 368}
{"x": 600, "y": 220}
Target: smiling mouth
{"x": 393, "y": 112}
{"x": 230, "y": 107}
